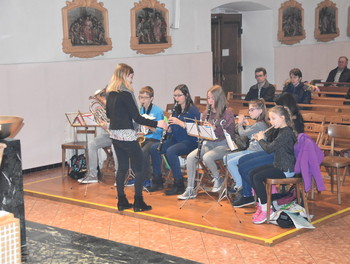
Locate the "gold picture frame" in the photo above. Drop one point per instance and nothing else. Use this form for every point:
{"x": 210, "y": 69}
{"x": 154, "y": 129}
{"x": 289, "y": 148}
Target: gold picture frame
{"x": 326, "y": 23}
{"x": 85, "y": 29}
{"x": 149, "y": 27}
{"x": 290, "y": 23}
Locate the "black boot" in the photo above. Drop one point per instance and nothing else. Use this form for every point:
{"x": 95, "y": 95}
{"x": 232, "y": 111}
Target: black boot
{"x": 140, "y": 205}
{"x": 178, "y": 188}
{"x": 123, "y": 203}
{"x": 157, "y": 184}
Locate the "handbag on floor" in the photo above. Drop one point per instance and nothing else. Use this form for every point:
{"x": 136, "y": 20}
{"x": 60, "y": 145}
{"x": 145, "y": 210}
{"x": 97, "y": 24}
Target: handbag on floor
{"x": 77, "y": 167}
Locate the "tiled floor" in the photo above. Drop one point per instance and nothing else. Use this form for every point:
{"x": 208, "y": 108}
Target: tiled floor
{"x": 329, "y": 243}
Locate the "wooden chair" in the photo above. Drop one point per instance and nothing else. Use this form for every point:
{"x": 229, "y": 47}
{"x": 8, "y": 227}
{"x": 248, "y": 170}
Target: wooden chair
{"x": 332, "y": 162}
{"x": 299, "y": 185}
{"x": 314, "y": 118}
{"x": 77, "y": 145}
{"x": 315, "y": 131}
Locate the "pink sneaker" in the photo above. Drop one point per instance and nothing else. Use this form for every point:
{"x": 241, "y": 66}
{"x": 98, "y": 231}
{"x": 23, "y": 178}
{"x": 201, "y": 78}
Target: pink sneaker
{"x": 258, "y": 211}
{"x": 261, "y": 218}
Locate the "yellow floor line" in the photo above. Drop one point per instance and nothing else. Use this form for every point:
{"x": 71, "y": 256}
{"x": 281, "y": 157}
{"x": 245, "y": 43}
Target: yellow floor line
{"x": 48, "y": 179}
{"x": 266, "y": 240}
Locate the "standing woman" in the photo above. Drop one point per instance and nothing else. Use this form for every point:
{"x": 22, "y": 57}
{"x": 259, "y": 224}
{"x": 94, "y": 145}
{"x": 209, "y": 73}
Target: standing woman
{"x": 219, "y": 117}
{"x": 122, "y": 109}
{"x": 178, "y": 142}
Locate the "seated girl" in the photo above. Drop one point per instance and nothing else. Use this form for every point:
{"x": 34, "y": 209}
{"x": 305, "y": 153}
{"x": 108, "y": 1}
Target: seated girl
{"x": 219, "y": 118}
{"x": 257, "y": 111}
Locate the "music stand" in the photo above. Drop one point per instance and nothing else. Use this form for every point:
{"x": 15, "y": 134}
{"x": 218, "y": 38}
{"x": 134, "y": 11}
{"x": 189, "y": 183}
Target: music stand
{"x": 198, "y": 129}
{"x": 224, "y": 190}
{"x": 85, "y": 120}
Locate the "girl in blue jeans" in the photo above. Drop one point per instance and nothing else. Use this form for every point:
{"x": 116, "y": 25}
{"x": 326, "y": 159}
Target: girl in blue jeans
{"x": 257, "y": 111}
{"x": 178, "y": 142}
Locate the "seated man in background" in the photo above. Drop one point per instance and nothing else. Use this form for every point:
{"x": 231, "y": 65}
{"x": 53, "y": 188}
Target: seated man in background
{"x": 341, "y": 73}
{"x": 262, "y": 89}
{"x": 297, "y": 88}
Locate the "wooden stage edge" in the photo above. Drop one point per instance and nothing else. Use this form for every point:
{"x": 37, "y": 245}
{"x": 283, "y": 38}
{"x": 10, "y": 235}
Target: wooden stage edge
{"x": 193, "y": 226}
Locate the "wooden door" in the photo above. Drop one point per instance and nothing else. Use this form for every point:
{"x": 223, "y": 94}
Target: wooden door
{"x": 226, "y": 30}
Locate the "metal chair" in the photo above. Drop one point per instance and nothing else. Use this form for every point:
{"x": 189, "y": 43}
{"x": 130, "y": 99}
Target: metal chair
{"x": 331, "y": 162}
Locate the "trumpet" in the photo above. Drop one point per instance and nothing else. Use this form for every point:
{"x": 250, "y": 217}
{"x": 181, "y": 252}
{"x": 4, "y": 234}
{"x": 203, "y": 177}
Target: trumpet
{"x": 98, "y": 106}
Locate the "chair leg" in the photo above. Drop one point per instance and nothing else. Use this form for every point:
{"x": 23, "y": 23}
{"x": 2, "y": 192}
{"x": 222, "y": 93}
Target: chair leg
{"x": 63, "y": 162}
{"x": 312, "y": 189}
{"x": 338, "y": 186}
{"x": 298, "y": 190}
{"x": 345, "y": 169}
{"x": 268, "y": 204}
{"x": 304, "y": 196}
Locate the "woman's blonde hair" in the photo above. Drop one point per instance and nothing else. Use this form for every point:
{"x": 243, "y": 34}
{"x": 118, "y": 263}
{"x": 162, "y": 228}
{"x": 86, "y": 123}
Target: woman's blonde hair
{"x": 285, "y": 111}
{"x": 219, "y": 98}
{"x": 119, "y": 77}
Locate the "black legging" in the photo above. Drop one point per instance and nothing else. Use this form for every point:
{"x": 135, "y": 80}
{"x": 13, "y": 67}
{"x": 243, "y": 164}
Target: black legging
{"x": 124, "y": 151}
{"x": 259, "y": 174}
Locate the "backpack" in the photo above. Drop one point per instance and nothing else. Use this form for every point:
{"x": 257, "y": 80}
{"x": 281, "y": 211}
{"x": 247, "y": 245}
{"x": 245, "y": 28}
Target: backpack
{"x": 284, "y": 220}
{"x": 77, "y": 166}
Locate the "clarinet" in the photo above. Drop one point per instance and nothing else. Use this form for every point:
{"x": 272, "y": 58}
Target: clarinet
{"x": 159, "y": 148}
{"x": 201, "y": 140}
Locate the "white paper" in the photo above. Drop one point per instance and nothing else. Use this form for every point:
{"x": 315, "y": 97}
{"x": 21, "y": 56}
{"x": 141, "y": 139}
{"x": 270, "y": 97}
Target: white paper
{"x": 232, "y": 145}
{"x": 191, "y": 129}
{"x": 207, "y": 132}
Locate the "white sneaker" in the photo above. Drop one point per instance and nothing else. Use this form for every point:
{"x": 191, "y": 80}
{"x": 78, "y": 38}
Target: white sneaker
{"x": 88, "y": 180}
{"x": 217, "y": 184}
{"x": 188, "y": 194}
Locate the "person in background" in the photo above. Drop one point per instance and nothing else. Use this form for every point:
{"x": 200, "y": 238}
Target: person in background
{"x": 284, "y": 158}
{"x": 341, "y": 73}
{"x": 297, "y": 88}
{"x": 154, "y": 112}
{"x": 122, "y": 110}
{"x": 177, "y": 143}
{"x": 219, "y": 117}
{"x": 262, "y": 89}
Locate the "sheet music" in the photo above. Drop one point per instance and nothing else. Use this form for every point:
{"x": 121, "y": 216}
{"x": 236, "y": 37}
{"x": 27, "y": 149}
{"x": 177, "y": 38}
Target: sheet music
{"x": 207, "y": 132}
{"x": 192, "y": 129}
{"x": 232, "y": 145}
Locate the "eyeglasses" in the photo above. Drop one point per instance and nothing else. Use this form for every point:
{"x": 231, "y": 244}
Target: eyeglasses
{"x": 259, "y": 75}
{"x": 252, "y": 109}
{"x": 144, "y": 97}
{"x": 178, "y": 95}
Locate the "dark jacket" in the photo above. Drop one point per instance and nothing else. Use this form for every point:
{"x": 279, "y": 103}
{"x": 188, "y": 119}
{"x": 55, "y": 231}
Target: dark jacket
{"x": 267, "y": 92}
{"x": 122, "y": 110}
{"x": 283, "y": 148}
{"x": 344, "y": 76}
{"x": 300, "y": 92}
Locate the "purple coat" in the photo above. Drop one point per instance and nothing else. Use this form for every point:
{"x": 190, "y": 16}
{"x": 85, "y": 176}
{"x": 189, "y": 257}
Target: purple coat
{"x": 308, "y": 159}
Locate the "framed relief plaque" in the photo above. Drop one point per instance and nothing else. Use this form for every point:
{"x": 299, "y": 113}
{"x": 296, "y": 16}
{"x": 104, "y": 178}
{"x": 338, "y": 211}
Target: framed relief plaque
{"x": 85, "y": 29}
{"x": 149, "y": 27}
{"x": 326, "y": 24}
{"x": 291, "y": 23}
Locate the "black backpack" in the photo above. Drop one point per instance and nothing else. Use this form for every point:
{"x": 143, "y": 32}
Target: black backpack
{"x": 77, "y": 167}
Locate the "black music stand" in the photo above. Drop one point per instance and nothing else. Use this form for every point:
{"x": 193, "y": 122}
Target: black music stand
{"x": 86, "y": 120}
{"x": 198, "y": 129}
{"x": 224, "y": 190}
